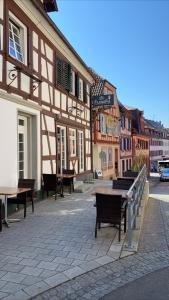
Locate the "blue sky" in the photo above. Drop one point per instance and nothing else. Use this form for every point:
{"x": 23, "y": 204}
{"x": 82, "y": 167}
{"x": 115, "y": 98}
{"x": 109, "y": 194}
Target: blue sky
{"x": 127, "y": 42}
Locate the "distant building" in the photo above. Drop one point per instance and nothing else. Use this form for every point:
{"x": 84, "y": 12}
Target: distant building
{"x": 140, "y": 140}
{"x": 125, "y": 139}
{"x": 159, "y": 142}
{"x": 106, "y": 130}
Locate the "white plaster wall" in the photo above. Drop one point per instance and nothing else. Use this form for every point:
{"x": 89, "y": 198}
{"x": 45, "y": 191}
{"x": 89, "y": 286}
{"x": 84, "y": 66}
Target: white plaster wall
{"x": 63, "y": 101}
{"x": 45, "y": 92}
{"x": 35, "y": 40}
{"x": 35, "y": 61}
{"x": 52, "y": 145}
{"x": 46, "y": 167}
{"x": 50, "y": 124}
{"x": 49, "y": 52}
{"x": 25, "y": 83}
{"x": 8, "y": 140}
{"x": 57, "y": 98}
{"x": 1, "y": 9}
{"x": 45, "y": 145}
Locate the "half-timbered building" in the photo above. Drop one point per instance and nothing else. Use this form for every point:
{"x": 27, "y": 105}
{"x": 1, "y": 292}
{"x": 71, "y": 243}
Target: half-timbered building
{"x": 159, "y": 142}
{"x": 106, "y": 130}
{"x": 125, "y": 139}
{"x": 44, "y": 96}
{"x": 140, "y": 141}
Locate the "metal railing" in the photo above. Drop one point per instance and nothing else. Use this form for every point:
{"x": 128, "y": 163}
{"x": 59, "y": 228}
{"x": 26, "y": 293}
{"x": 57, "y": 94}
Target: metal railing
{"x": 134, "y": 197}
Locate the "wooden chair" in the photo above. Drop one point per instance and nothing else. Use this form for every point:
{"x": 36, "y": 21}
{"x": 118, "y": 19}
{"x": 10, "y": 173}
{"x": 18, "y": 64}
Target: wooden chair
{"x": 109, "y": 210}
{"x": 0, "y": 215}
{"x": 51, "y": 183}
{"x": 122, "y": 184}
{"x": 23, "y": 198}
{"x": 69, "y": 181}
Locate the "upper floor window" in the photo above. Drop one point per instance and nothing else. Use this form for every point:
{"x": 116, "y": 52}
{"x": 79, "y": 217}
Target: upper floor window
{"x": 15, "y": 42}
{"x": 17, "y": 39}
{"x": 72, "y": 82}
{"x": 88, "y": 93}
{"x": 123, "y": 121}
{"x": 64, "y": 77}
{"x": 80, "y": 89}
{"x": 72, "y": 136}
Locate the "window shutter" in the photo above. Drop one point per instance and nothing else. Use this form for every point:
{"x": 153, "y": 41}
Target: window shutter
{"x": 77, "y": 85}
{"x": 84, "y": 92}
{"x": 59, "y": 71}
{"x": 64, "y": 74}
{"x": 67, "y": 76}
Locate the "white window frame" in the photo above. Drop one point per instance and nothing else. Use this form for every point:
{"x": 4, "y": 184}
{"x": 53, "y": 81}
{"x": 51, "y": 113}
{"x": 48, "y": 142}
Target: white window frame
{"x": 81, "y": 150}
{"x": 73, "y": 82}
{"x": 80, "y": 89}
{"x": 63, "y": 161}
{"x": 22, "y": 35}
{"x": 88, "y": 94}
{"x": 23, "y": 129}
{"x": 72, "y": 139}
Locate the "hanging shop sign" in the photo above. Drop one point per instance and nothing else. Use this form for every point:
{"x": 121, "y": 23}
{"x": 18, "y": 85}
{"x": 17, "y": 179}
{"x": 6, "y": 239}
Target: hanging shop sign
{"x": 102, "y": 101}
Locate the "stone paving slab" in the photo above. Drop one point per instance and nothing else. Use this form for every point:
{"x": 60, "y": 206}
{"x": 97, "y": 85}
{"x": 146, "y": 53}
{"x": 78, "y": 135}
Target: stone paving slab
{"x": 53, "y": 245}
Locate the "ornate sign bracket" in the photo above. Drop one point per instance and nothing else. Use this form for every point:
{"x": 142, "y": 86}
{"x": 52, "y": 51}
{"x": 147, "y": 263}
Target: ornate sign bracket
{"x": 14, "y": 73}
{"x": 78, "y": 110}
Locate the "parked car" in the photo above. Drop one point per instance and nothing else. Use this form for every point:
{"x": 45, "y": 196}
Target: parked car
{"x": 164, "y": 174}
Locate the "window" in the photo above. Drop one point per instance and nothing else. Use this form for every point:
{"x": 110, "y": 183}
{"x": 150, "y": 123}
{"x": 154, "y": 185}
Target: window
{"x": 64, "y": 74}
{"x": 80, "y": 89}
{"x": 127, "y": 166}
{"x": 72, "y": 136}
{"x": 72, "y": 82}
{"x": 15, "y": 41}
{"x": 123, "y": 121}
{"x": 23, "y": 147}
{"x": 88, "y": 93}
{"x": 103, "y": 123}
{"x": 103, "y": 157}
{"x": 110, "y": 157}
{"x": 61, "y": 145}
{"x": 123, "y": 165}
{"x": 81, "y": 151}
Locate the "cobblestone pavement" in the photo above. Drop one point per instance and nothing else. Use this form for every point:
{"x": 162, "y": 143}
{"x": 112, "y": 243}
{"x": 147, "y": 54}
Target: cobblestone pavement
{"x": 53, "y": 245}
{"x": 153, "y": 255}
{"x": 36, "y": 256}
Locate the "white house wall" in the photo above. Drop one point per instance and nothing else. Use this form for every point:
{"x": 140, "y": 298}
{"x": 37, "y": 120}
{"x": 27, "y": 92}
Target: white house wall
{"x": 8, "y": 137}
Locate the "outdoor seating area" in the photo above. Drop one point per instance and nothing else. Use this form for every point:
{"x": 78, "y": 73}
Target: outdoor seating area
{"x": 25, "y": 192}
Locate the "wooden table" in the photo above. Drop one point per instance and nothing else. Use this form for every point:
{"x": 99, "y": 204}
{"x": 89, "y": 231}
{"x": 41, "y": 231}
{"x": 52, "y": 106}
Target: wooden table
{"x": 65, "y": 175}
{"x": 10, "y": 191}
{"x": 126, "y": 178}
{"x": 110, "y": 191}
